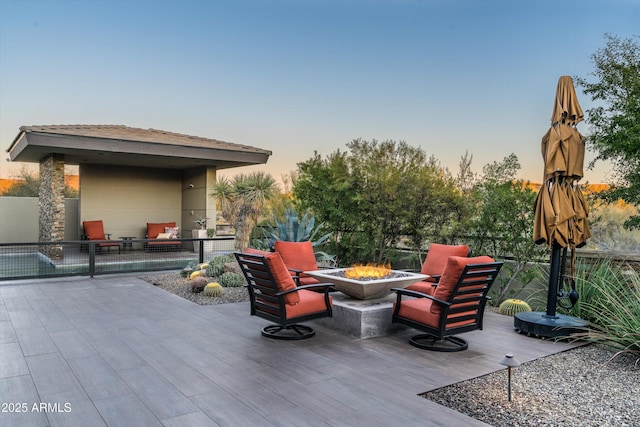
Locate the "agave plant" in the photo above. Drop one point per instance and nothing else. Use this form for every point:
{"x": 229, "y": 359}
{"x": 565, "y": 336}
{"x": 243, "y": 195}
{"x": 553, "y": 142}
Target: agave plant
{"x": 294, "y": 229}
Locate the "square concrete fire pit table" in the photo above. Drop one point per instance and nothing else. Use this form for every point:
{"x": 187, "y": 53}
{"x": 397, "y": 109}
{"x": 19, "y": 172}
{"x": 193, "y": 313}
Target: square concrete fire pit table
{"x": 366, "y": 289}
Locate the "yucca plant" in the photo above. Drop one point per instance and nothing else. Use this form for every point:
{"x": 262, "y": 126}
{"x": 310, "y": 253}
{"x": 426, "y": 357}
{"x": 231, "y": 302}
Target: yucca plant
{"x": 294, "y": 229}
{"x": 610, "y": 302}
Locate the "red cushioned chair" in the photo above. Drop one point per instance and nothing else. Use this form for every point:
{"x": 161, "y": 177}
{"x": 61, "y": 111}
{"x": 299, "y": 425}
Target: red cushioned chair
{"x": 434, "y": 264}
{"x": 94, "y": 230}
{"x": 274, "y": 296}
{"x": 457, "y": 305}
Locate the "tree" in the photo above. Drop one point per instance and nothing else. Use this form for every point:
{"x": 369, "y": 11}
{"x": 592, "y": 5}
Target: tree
{"x": 373, "y": 195}
{"x": 243, "y": 200}
{"x": 614, "y": 123}
{"x": 503, "y": 222}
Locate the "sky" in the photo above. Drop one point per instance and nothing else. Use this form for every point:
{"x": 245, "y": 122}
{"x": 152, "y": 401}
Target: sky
{"x": 298, "y": 76}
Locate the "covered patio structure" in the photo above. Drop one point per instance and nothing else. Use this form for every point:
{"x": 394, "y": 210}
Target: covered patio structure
{"x": 128, "y": 176}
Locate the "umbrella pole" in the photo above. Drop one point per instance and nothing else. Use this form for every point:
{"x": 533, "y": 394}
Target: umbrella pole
{"x": 554, "y": 277}
{"x": 550, "y": 324}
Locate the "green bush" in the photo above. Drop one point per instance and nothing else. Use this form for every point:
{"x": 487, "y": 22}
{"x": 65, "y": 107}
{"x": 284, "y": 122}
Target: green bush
{"x": 213, "y": 290}
{"x": 231, "y": 279}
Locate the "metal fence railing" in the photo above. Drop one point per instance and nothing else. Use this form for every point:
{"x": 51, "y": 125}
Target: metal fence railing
{"x": 82, "y": 257}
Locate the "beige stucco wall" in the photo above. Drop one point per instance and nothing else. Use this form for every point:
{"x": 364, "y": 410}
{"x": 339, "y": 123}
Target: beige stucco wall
{"x": 19, "y": 219}
{"x": 125, "y": 199}
{"x": 196, "y": 203}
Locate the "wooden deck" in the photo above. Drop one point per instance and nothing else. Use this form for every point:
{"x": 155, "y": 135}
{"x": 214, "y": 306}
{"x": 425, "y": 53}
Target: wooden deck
{"x": 117, "y": 351}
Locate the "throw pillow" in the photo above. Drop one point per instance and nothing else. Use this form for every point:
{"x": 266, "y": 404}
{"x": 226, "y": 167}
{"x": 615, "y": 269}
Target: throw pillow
{"x": 174, "y": 231}
{"x": 164, "y": 236}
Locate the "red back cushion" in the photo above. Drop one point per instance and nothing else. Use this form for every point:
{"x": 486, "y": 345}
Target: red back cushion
{"x": 450, "y": 276}
{"x": 94, "y": 230}
{"x": 297, "y": 255}
{"x": 436, "y": 259}
{"x": 153, "y": 229}
{"x": 282, "y": 276}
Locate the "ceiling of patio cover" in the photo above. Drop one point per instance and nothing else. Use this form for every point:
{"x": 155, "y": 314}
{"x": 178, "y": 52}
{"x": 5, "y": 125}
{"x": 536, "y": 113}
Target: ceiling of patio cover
{"x": 561, "y": 209}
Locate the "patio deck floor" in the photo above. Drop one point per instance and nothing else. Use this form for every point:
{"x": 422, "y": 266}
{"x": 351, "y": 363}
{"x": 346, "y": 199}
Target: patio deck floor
{"x": 117, "y": 351}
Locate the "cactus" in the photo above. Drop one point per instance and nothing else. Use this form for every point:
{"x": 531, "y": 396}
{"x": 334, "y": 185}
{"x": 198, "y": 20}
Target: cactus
{"x": 231, "y": 280}
{"x": 215, "y": 269}
{"x": 223, "y": 259}
{"x": 197, "y": 284}
{"x": 510, "y": 307}
{"x": 197, "y": 274}
{"x": 213, "y": 290}
{"x": 202, "y": 266}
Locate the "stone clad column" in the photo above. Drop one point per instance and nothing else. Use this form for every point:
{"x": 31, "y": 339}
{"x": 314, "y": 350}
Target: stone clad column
{"x": 51, "y": 201}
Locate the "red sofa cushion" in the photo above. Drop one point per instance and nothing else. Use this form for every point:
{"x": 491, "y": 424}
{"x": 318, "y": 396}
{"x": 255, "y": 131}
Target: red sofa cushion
{"x": 155, "y": 228}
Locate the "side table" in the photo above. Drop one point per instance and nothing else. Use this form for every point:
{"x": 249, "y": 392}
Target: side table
{"x": 127, "y": 243}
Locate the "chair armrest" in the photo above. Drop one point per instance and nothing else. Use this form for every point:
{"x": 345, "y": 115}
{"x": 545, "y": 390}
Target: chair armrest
{"x": 416, "y": 294}
{"x": 325, "y": 286}
{"x": 295, "y": 275}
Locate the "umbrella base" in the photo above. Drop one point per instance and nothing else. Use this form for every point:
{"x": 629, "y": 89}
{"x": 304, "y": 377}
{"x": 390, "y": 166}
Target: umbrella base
{"x": 537, "y": 323}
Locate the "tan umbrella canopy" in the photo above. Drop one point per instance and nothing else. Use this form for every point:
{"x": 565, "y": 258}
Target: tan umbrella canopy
{"x": 561, "y": 210}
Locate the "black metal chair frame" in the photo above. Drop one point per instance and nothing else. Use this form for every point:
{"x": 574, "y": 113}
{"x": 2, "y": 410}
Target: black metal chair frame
{"x": 472, "y": 287}
{"x": 269, "y": 303}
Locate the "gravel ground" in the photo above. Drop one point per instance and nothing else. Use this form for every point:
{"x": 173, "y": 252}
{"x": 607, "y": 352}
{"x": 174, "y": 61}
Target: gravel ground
{"x": 174, "y": 283}
{"x": 581, "y": 387}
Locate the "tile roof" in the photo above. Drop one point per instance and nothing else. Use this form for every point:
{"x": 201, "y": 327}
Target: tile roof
{"x": 125, "y": 133}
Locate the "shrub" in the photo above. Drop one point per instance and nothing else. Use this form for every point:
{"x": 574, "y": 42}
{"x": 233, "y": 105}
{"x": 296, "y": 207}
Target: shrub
{"x": 213, "y": 290}
{"x": 231, "y": 280}
{"x": 198, "y": 284}
{"x": 610, "y": 302}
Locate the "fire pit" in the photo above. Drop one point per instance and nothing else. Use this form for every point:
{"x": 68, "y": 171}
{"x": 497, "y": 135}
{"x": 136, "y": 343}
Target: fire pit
{"x": 366, "y": 287}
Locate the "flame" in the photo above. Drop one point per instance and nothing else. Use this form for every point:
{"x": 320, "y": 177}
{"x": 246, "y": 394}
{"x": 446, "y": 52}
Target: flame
{"x": 369, "y": 271}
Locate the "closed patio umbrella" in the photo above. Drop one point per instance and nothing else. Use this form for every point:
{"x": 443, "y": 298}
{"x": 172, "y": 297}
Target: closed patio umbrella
{"x": 561, "y": 209}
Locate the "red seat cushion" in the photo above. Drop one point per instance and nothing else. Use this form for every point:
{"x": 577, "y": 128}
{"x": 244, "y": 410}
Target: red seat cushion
{"x": 436, "y": 260}
{"x": 450, "y": 276}
{"x": 425, "y": 286}
{"x": 94, "y": 230}
{"x": 310, "y": 302}
{"x": 153, "y": 228}
{"x": 297, "y": 255}
{"x": 421, "y": 310}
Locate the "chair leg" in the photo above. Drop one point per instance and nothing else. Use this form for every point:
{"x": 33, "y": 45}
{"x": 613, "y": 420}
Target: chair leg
{"x": 291, "y": 332}
{"x": 429, "y": 342}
